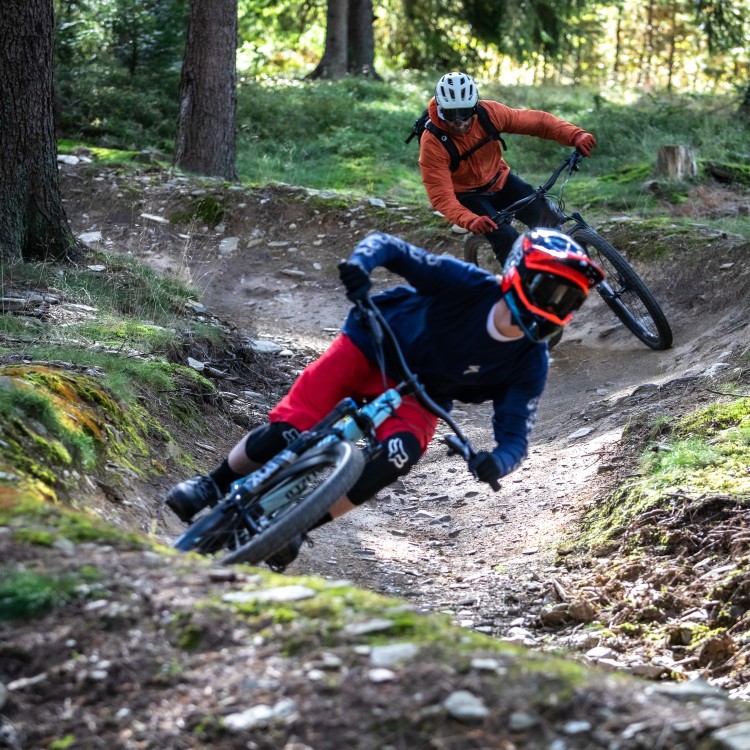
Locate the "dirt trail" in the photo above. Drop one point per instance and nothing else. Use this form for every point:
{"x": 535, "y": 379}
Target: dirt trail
{"x": 438, "y": 537}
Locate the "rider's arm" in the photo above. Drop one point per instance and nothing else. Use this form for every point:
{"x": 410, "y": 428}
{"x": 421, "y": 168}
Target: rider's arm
{"x": 513, "y": 419}
{"x": 424, "y": 271}
{"x": 533, "y": 122}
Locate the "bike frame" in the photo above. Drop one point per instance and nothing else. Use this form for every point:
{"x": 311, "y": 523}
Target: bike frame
{"x": 349, "y": 422}
{"x": 570, "y": 163}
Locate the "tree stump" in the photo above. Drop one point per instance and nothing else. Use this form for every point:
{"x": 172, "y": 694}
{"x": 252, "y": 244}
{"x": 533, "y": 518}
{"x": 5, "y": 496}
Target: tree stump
{"x": 675, "y": 163}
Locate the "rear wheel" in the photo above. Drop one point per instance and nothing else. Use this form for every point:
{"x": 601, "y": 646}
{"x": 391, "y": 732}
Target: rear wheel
{"x": 625, "y": 293}
{"x": 299, "y": 496}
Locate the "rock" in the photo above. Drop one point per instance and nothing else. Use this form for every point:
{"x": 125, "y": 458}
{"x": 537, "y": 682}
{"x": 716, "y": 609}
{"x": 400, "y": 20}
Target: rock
{"x": 155, "y": 218}
{"x": 576, "y": 727}
{"x": 733, "y": 737}
{"x": 375, "y": 625}
{"x": 292, "y": 593}
{"x": 580, "y": 433}
{"x": 259, "y": 716}
{"x": 393, "y": 653}
{"x": 465, "y": 707}
{"x": 228, "y": 245}
{"x": 520, "y": 721}
{"x": 196, "y": 365}
{"x": 600, "y": 652}
{"x": 382, "y": 675}
{"x": 266, "y": 347}
{"x": 692, "y": 690}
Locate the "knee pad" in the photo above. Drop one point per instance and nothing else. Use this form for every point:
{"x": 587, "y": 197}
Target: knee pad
{"x": 399, "y": 453}
{"x": 265, "y": 441}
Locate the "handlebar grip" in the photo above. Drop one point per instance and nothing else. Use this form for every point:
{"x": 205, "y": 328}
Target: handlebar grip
{"x": 495, "y": 485}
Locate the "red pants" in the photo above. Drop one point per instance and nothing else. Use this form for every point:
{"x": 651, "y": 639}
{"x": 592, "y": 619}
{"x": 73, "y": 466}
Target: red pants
{"x": 343, "y": 371}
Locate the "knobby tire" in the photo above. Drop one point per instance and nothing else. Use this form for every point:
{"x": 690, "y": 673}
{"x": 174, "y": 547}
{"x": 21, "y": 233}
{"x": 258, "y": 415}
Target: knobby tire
{"x": 339, "y": 463}
{"x": 472, "y": 246}
{"x": 631, "y": 301}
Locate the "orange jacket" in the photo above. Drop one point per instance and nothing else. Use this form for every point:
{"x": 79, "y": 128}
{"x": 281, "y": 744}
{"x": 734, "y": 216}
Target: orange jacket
{"x": 434, "y": 162}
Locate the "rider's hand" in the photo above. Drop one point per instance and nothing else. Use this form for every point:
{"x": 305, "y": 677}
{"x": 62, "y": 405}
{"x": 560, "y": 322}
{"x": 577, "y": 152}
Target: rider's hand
{"x": 485, "y": 467}
{"x": 355, "y": 279}
{"x": 481, "y": 225}
{"x": 584, "y": 142}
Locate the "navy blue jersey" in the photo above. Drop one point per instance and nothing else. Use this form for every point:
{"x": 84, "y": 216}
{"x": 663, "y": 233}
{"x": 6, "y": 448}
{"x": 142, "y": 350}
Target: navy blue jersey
{"x": 440, "y": 321}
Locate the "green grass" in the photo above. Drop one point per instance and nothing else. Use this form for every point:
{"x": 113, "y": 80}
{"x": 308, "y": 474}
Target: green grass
{"x": 348, "y": 136}
{"x": 703, "y": 453}
{"x": 25, "y": 593}
{"x": 124, "y": 287}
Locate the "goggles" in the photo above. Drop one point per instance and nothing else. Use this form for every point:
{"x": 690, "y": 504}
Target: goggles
{"x": 549, "y": 296}
{"x": 460, "y": 114}
{"x": 536, "y": 329}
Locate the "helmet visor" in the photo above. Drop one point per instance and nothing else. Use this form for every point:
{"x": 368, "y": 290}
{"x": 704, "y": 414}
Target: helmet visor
{"x": 459, "y": 114}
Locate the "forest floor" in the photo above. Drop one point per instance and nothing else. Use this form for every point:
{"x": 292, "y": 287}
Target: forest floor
{"x": 495, "y": 563}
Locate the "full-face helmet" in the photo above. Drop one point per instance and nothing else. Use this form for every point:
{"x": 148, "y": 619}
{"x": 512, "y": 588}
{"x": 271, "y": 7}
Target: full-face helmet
{"x": 456, "y": 96}
{"x": 546, "y": 278}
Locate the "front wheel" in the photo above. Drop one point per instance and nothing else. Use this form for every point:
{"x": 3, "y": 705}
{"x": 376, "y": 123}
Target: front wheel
{"x": 625, "y": 293}
{"x": 297, "y": 498}
{"x": 478, "y": 250}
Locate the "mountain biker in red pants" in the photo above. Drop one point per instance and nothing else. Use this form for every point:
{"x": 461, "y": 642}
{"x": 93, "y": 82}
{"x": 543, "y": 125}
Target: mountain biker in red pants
{"x": 483, "y": 184}
{"x": 467, "y": 334}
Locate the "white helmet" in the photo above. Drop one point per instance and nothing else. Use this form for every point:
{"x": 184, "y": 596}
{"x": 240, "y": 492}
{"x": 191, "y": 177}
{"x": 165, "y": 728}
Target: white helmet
{"x": 456, "y": 91}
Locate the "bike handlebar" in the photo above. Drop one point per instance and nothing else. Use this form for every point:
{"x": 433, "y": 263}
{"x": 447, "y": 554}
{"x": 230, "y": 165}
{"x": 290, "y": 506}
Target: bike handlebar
{"x": 378, "y": 326}
{"x": 570, "y": 162}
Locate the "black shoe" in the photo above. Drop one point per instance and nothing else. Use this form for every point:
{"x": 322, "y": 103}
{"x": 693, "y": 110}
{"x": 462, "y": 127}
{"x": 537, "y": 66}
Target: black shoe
{"x": 193, "y": 495}
{"x": 282, "y": 559}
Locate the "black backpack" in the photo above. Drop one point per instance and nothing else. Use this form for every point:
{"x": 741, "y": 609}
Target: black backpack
{"x": 423, "y": 123}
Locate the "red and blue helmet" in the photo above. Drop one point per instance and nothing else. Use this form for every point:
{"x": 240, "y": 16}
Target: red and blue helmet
{"x": 546, "y": 278}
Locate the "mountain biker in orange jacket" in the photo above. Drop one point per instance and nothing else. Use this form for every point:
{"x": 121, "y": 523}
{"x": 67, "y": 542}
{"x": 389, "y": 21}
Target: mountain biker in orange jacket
{"x": 483, "y": 183}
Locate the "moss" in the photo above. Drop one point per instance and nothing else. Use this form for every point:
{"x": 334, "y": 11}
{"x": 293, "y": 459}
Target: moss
{"x": 63, "y": 743}
{"x": 27, "y": 593}
{"x": 56, "y": 419}
{"x": 628, "y": 173}
{"x": 35, "y": 520}
{"x": 706, "y": 453}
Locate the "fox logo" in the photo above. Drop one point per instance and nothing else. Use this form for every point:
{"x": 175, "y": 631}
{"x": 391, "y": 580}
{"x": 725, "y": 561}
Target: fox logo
{"x": 397, "y": 454}
{"x": 471, "y": 370}
{"x": 291, "y": 434}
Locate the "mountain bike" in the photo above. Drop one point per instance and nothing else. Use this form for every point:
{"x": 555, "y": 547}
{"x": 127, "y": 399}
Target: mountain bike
{"x": 622, "y": 290}
{"x": 273, "y": 505}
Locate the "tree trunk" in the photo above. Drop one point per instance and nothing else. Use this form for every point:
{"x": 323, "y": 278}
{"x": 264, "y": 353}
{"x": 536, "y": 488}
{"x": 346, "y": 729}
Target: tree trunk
{"x": 33, "y": 225}
{"x": 361, "y": 36}
{"x": 206, "y": 140}
{"x": 333, "y": 64}
{"x": 675, "y": 163}
{"x": 744, "y": 110}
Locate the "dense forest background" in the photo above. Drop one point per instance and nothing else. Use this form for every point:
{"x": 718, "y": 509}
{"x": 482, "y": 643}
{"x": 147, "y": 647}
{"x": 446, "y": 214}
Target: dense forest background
{"x": 118, "y": 61}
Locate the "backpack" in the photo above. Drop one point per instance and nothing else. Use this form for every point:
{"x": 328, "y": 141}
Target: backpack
{"x": 423, "y": 123}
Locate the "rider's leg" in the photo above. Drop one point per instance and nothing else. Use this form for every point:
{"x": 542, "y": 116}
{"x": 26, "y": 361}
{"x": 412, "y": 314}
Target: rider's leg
{"x": 318, "y": 389}
{"x": 259, "y": 445}
{"x": 403, "y": 438}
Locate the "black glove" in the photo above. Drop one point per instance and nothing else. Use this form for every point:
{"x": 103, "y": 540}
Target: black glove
{"x": 355, "y": 279}
{"x": 485, "y": 467}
